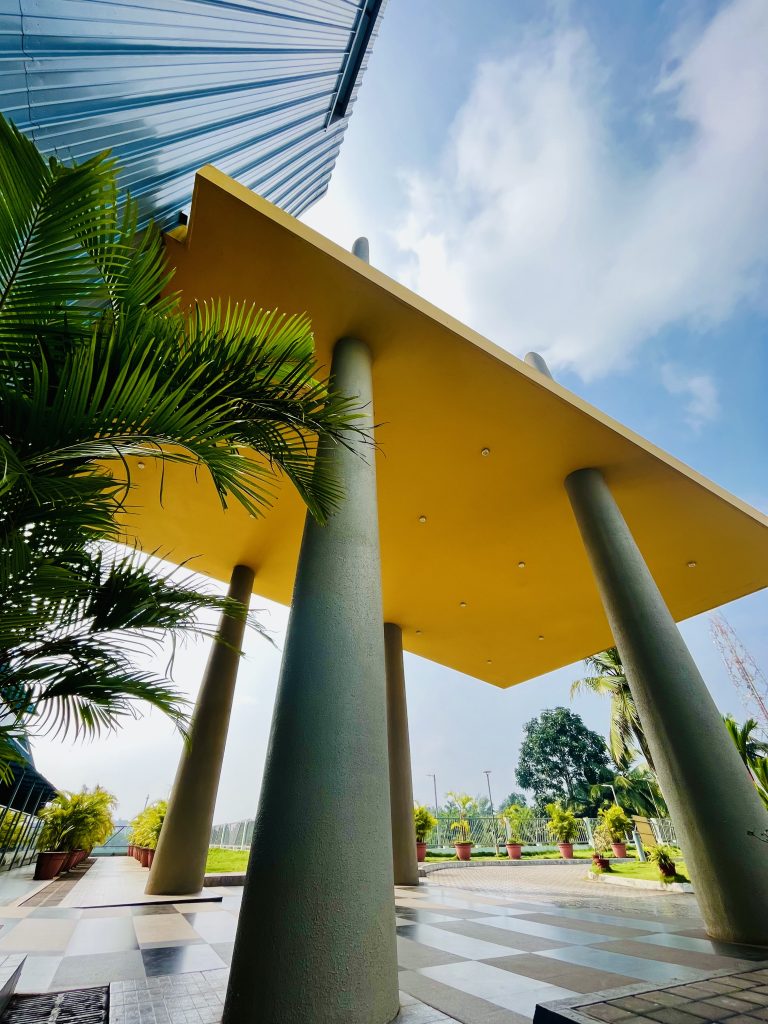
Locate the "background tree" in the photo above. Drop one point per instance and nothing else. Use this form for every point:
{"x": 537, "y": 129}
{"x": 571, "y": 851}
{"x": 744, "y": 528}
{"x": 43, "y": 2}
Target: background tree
{"x": 753, "y": 752}
{"x": 513, "y": 800}
{"x": 607, "y": 679}
{"x": 560, "y": 758}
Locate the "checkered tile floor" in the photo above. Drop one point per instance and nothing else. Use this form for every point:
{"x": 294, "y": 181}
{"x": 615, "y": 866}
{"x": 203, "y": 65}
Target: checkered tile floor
{"x": 479, "y": 958}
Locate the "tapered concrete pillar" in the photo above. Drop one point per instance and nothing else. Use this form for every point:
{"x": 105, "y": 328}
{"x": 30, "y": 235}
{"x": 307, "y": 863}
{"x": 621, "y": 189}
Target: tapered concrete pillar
{"x": 711, "y": 798}
{"x": 179, "y": 862}
{"x": 406, "y": 867}
{"x": 316, "y": 935}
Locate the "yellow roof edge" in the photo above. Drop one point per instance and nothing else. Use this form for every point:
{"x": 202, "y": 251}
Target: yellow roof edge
{"x": 402, "y": 294}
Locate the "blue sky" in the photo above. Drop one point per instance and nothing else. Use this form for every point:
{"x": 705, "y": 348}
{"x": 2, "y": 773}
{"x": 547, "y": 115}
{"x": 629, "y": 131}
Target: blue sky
{"x": 587, "y": 179}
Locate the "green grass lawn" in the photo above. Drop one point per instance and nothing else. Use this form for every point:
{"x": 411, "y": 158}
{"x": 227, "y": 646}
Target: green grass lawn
{"x": 649, "y": 871}
{"x": 226, "y": 860}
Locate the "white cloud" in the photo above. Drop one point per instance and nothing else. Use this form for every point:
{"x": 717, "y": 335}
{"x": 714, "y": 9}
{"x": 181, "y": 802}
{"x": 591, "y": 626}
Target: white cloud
{"x": 702, "y": 405}
{"x": 540, "y": 229}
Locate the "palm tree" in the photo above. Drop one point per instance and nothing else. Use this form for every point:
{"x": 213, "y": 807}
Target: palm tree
{"x": 753, "y": 752}
{"x": 607, "y": 678}
{"x": 98, "y": 363}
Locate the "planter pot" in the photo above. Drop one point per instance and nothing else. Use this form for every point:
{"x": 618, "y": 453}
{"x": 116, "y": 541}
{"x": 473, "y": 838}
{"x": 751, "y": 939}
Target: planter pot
{"x": 666, "y": 872}
{"x": 49, "y": 864}
{"x": 150, "y": 857}
{"x": 601, "y": 863}
{"x": 69, "y": 860}
{"x": 464, "y": 850}
{"x": 144, "y": 857}
{"x": 566, "y": 850}
{"x": 421, "y": 852}
{"x": 619, "y": 849}
{"x": 514, "y": 851}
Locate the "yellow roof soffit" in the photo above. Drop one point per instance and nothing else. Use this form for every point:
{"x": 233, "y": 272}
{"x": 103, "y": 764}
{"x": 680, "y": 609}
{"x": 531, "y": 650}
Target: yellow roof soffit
{"x": 495, "y": 583}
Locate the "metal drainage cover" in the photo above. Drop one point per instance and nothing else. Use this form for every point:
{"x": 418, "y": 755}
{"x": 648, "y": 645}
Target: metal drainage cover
{"x": 80, "y": 1006}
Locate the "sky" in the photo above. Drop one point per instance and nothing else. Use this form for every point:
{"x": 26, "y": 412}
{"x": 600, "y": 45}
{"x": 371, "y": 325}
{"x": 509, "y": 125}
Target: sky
{"x": 589, "y": 180}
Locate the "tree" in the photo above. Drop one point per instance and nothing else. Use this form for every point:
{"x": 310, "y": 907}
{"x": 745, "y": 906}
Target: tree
{"x": 96, "y": 368}
{"x": 560, "y": 758}
{"x": 753, "y": 752}
{"x": 513, "y": 800}
{"x": 607, "y": 678}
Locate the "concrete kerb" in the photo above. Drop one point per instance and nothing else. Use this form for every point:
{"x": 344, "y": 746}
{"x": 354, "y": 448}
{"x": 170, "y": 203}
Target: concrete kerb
{"x": 428, "y": 869}
{"x": 642, "y": 883}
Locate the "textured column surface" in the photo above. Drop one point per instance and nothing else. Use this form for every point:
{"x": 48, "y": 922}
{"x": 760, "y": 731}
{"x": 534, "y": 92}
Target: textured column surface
{"x": 179, "y": 862}
{"x": 316, "y": 934}
{"x": 400, "y": 783}
{"x": 711, "y": 798}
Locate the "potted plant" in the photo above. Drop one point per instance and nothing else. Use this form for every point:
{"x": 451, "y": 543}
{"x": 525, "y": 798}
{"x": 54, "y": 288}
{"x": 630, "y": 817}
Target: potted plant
{"x": 516, "y": 818}
{"x": 564, "y": 827}
{"x": 423, "y": 821}
{"x": 602, "y": 844}
{"x": 664, "y": 859}
{"x": 618, "y": 826}
{"x": 50, "y": 843}
{"x": 73, "y": 823}
{"x": 145, "y": 831}
{"x": 466, "y": 805}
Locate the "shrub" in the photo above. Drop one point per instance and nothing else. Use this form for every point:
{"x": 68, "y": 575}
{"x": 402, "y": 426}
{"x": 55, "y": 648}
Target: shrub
{"x": 562, "y": 823}
{"x": 663, "y": 857}
{"x": 146, "y": 826}
{"x": 517, "y": 819}
{"x": 77, "y": 821}
{"x": 424, "y": 821}
{"x": 617, "y": 824}
{"x": 601, "y": 839}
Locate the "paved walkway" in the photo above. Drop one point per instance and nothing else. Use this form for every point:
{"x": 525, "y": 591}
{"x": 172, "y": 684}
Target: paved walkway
{"x": 481, "y": 947}
{"x": 112, "y": 881}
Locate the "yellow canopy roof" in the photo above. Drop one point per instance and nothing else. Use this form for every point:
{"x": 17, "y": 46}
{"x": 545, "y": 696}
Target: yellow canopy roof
{"x": 495, "y": 583}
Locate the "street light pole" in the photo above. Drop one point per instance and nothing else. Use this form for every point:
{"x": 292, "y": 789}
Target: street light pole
{"x": 437, "y": 815}
{"x": 487, "y": 775}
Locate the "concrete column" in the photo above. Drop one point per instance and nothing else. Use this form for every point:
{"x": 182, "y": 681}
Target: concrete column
{"x": 179, "y": 862}
{"x": 711, "y": 798}
{"x": 400, "y": 783}
{"x": 316, "y": 935}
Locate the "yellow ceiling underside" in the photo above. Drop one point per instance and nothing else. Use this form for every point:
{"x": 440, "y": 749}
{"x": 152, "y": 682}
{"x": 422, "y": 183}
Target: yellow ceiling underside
{"x": 443, "y": 394}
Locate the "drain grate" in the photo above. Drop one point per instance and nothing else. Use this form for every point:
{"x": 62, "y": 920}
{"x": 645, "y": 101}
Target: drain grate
{"x": 80, "y": 1006}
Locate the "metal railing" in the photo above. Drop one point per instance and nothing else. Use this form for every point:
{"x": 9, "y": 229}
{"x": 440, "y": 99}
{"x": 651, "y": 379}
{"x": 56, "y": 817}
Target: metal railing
{"x": 484, "y": 832}
{"x": 236, "y": 835}
{"x": 18, "y": 838}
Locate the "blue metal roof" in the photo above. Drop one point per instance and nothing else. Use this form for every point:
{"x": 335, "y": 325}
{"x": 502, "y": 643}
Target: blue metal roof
{"x": 263, "y": 89}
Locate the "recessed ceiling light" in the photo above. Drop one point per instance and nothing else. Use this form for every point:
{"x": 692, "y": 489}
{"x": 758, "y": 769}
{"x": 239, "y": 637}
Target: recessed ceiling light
{"x": 418, "y": 632}
{"x": 485, "y": 452}
{"x": 422, "y": 519}
{"x": 541, "y": 637}
{"x": 521, "y": 565}
{"x": 691, "y": 565}
{"x": 140, "y": 465}
{"x": 462, "y": 604}
{"x": 489, "y": 662}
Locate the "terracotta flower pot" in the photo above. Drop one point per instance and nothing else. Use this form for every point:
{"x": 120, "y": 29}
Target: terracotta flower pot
{"x": 514, "y": 851}
{"x": 144, "y": 857}
{"x": 49, "y": 863}
{"x": 69, "y": 861}
{"x": 464, "y": 850}
{"x": 619, "y": 849}
{"x": 421, "y": 852}
{"x": 150, "y": 857}
{"x": 667, "y": 871}
{"x": 566, "y": 850}
{"x": 600, "y": 862}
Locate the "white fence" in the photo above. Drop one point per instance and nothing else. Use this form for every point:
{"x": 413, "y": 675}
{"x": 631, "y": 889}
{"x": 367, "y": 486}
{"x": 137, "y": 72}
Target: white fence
{"x": 484, "y": 832}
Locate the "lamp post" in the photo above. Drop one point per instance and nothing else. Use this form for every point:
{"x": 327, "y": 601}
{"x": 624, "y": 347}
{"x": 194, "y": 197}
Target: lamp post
{"x": 437, "y": 815}
{"x": 607, "y": 785}
{"x": 487, "y": 775}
